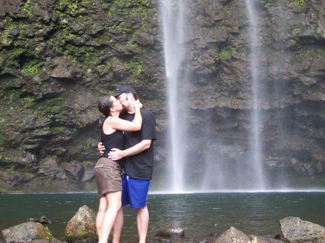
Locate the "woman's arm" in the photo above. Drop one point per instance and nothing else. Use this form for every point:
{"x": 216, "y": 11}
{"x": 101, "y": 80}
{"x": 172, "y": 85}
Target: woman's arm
{"x": 123, "y": 125}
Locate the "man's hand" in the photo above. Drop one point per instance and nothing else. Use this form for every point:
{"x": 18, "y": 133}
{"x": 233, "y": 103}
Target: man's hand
{"x": 101, "y": 148}
{"x": 115, "y": 154}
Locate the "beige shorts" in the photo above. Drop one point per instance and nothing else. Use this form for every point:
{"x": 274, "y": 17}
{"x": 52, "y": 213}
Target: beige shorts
{"x": 108, "y": 176}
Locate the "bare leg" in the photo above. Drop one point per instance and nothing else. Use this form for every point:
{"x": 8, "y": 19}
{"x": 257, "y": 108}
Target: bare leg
{"x": 142, "y": 222}
{"x": 118, "y": 225}
{"x": 100, "y": 215}
{"x": 114, "y": 204}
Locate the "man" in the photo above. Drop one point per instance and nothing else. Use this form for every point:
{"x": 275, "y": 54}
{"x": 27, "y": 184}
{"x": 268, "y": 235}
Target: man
{"x": 138, "y": 165}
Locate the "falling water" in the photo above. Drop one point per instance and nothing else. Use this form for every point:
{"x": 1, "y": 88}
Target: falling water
{"x": 256, "y": 143}
{"x": 173, "y": 18}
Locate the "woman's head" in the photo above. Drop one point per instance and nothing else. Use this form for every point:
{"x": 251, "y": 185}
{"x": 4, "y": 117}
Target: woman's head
{"x": 109, "y": 104}
{"x": 105, "y": 105}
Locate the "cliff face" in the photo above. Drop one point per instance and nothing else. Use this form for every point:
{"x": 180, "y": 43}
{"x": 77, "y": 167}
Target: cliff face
{"x": 58, "y": 57}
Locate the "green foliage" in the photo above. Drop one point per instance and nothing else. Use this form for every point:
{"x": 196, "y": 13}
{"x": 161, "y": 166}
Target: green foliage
{"x": 48, "y": 233}
{"x": 30, "y": 69}
{"x": 226, "y": 52}
{"x": 304, "y": 53}
{"x": 298, "y": 3}
{"x": 11, "y": 168}
{"x": 88, "y": 142}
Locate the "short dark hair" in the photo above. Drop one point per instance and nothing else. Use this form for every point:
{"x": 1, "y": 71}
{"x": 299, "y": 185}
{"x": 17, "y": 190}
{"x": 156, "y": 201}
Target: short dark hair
{"x": 135, "y": 96}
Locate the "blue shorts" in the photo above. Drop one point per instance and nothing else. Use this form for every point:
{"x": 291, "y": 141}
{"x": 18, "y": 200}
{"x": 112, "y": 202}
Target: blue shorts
{"x": 134, "y": 192}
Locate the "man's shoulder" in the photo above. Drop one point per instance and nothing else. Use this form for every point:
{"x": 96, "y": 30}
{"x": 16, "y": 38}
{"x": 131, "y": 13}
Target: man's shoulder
{"x": 145, "y": 112}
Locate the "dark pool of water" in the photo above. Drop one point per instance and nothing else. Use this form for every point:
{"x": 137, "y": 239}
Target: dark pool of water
{"x": 202, "y": 214}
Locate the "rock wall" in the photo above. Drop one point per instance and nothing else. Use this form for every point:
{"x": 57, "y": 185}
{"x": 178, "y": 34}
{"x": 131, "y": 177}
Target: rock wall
{"x": 58, "y": 57}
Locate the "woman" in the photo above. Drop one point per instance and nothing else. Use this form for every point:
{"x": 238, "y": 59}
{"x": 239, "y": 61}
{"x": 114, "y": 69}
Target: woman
{"x": 107, "y": 171}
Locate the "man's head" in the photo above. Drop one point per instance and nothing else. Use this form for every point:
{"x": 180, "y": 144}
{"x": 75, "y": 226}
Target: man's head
{"x": 124, "y": 94}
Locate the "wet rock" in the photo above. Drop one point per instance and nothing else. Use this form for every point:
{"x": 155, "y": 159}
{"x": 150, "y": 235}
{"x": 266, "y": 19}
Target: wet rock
{"x": 233, "y": 235}
{"x": 164, "y": 240}
{"x": 51, "y": 169}
{"x": 42, "y": 220}
{"x": 89, "y": 172}
{"x": 75, "y": 170}
{"x": 2, "y": 238}
{"x": 47, "y": 241}
{"x": 82, "y": 226}
{"x": 173, "y": 230}
{"x": 293, "y": 229}
{"x": 26, "y": 232}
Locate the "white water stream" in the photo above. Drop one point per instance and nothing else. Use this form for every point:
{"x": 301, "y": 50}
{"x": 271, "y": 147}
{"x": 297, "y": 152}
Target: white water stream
{"x": 174, "y": 31}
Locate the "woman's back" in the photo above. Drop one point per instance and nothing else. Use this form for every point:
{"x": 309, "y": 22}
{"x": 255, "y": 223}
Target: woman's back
{"x": 113, "y": 140}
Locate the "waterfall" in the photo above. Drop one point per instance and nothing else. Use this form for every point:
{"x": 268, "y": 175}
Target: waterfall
{"x": 173, "y": 30}
{"x": 255, "y": 140}
{"x": 217, "y": 170}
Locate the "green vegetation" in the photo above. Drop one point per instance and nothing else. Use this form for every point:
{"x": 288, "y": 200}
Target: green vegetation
{"x": 49, "y": 234}
{"x": 11, "y": 168}
{"x": 298, "y": 3}
{"x": 226, "y": 52}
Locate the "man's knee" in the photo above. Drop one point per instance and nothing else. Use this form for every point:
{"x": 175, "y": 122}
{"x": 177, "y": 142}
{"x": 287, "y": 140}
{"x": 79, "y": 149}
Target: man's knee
{"x": 142, "y": 209}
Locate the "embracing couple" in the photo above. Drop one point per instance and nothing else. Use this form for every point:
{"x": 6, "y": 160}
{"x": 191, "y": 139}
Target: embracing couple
{"x": 126, "y": 146}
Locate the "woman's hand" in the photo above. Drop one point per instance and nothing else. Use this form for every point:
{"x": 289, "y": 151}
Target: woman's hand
{"x": 137, "y": 104}
{"x": 115, "y": 154}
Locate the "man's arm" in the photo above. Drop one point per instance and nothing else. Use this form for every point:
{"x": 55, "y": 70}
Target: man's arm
{"x": 116, "y": 154}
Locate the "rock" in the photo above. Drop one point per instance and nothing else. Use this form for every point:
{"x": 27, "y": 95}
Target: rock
{"x": 75, "y": 169}
{"x": 47, "y": 241}
{"x": 82, "y": 226}
{"x": 293, "y": 229}
{"x": 261, "y": 239}
{"x": 51, "y": 169}
{"x": 174, "y": 230}
{"x": 233, "y": 236}
{"x": 2, "y": 238}
{"x": 42, "y": 220}
{"x": 89, "y": 172}
{"x": 61, "y": 71}
{"x": 26, "y": 232}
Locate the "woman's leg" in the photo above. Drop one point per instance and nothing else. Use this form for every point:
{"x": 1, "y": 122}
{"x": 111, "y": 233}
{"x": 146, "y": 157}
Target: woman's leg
{"x": 100, "y": 215}
{"x": 114, "y": 204}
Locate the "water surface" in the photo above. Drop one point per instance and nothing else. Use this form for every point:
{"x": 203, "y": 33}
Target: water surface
{"x": 202, "y": 214}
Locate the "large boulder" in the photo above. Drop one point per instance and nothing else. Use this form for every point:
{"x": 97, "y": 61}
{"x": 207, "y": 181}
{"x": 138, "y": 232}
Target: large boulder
{"x": 26, "y": 232}
{"x": 293, "y": 229}
{"x": 2, "y": 238}
{"x": 174, "y": 229}
{"x": 82, "y": 226}
{"x": 233, "y": 235}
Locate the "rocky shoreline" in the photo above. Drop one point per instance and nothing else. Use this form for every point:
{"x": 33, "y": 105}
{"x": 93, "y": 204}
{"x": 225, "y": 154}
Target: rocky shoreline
{"x": 82, "y": 228}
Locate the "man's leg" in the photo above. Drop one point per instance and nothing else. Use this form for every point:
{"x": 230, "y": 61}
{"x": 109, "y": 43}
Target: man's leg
{"x": 142, "y": 223}
{"x": 118, "y": 225}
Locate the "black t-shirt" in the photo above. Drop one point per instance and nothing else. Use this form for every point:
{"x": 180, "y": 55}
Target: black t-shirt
{"x": 140, "y": 166}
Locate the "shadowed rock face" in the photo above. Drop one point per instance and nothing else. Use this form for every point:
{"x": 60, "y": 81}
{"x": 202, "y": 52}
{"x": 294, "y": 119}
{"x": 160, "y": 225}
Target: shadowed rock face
{"x": 57, "y": 58}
